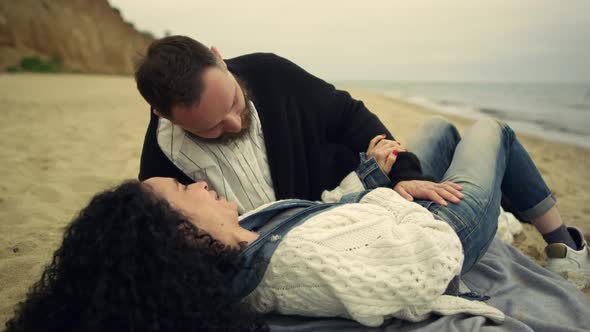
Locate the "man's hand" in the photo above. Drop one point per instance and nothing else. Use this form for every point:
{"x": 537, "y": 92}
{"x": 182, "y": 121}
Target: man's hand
{"x": 436, "y": 192}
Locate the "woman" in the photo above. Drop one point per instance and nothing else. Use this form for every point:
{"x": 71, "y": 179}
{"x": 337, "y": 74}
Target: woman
{"x": 129, "y": 262}
{"x": 164, "y": 256}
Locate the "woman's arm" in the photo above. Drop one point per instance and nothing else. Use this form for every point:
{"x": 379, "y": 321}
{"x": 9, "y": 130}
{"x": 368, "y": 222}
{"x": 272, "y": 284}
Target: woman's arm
{"x": 350, "y": 184}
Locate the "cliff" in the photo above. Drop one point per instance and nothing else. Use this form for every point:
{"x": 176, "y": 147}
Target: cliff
{"x": 86, "y": 35}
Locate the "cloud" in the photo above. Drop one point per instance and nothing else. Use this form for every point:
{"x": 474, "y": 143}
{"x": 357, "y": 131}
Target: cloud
{"x": 386, "y": 39}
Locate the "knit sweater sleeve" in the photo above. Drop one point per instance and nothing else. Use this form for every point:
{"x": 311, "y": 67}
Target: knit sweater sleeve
{"x": 362, "y": 261}
{"x": 350, "y": 184}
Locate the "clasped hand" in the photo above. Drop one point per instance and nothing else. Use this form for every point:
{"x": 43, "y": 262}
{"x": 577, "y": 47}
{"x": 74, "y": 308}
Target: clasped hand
{"x": 385, "y": 153}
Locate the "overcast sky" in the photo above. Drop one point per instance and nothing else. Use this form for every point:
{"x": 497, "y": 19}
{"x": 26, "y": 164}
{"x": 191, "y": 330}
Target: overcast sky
{"x": 459, "y": 40}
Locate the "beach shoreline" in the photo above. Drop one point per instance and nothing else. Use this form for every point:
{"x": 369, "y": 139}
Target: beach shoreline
{"x": 563, "y": 166}
{"x": 552, "y": 111}
{"x": 66, "y": 137}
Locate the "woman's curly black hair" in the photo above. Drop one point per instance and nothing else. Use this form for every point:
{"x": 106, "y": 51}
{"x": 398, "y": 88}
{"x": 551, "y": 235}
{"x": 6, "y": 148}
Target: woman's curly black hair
{"x": 130, "y": 262}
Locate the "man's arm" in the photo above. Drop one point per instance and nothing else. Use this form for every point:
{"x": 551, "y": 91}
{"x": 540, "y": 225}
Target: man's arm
{"x": 347, "y": 121}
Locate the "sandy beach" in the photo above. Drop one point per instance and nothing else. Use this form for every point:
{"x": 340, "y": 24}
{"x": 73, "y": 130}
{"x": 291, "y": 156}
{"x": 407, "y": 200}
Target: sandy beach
{"x": 65, "y": 137}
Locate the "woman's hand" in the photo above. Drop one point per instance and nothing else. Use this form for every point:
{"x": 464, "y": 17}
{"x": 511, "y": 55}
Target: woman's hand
{"x": 436, "y": 192}
{"x": 384, "y": 151}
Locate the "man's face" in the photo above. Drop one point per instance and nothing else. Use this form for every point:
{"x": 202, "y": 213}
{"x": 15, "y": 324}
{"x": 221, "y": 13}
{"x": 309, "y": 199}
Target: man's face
{"x": 223, "y": 112}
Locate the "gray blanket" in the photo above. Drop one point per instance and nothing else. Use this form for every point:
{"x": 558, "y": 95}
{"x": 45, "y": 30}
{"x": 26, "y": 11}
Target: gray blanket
{"x": 532, "y": 298}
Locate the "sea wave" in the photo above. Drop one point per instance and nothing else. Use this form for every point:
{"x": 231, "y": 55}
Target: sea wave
{"x": 580, "y": 107}
{"x": 528, "y": 123}
{"x": 553, "y": 111}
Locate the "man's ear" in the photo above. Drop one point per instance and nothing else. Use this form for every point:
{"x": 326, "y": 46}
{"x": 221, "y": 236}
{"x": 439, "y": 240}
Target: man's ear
{"x": 218, "y": 55}
{"x": 158, "y": 114}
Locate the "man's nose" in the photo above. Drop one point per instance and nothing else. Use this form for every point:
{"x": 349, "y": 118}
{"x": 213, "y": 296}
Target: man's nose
{"x": 233, "y": 123}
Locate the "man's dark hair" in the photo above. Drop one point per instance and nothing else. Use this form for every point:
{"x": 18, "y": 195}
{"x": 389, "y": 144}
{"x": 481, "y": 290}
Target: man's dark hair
{"x": 171, "y": 72}
{"x": 130, "y": 262}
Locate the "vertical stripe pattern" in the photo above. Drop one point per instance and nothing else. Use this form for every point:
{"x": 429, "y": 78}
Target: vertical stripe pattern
{"x": 237, "y": 169}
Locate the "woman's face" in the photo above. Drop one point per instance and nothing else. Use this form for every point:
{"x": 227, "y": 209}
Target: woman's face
{"x": 205, "y": 209}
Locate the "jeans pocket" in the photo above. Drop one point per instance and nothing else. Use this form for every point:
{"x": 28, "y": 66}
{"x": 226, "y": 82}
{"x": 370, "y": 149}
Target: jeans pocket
{"x": 454, "y": 220}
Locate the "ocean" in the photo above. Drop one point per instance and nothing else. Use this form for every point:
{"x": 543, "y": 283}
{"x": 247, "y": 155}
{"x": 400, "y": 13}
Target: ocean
{"x": 554, "y": 111}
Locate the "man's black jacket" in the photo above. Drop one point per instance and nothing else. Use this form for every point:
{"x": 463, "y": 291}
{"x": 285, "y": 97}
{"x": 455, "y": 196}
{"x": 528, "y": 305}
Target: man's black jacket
{"x": 313, "y": 133}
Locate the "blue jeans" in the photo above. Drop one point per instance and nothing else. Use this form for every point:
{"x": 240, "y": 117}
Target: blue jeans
{"x": 489, "y": 161}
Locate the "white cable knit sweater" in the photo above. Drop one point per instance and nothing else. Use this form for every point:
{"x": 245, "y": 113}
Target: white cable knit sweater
{"x": 383, "y": 257}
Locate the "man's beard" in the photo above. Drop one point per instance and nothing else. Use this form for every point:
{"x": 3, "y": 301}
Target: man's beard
{"x": 246, "y": 118}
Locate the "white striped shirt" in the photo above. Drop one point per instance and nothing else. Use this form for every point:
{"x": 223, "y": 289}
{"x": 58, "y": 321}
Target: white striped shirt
{"x": 237, "y": 170}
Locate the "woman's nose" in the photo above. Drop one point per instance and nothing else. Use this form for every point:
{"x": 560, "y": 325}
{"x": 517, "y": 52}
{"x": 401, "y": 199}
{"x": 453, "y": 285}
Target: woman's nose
{"x": 202, "y": 184}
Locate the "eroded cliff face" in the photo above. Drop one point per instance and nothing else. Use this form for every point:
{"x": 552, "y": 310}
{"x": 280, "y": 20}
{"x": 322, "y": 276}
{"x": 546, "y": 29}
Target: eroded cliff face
{"x": 88, "y": 35}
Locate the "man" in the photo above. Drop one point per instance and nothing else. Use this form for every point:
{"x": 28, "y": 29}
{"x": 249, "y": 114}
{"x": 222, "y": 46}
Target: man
{"x": 257, "y": 127}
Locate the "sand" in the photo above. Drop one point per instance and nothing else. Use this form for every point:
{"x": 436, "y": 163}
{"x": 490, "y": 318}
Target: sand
{"x": 65, "y": 137}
